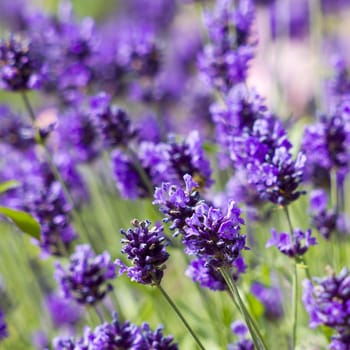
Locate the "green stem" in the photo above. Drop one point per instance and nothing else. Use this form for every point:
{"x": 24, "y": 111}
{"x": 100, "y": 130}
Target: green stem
{"x": 182, "y": 318}
{"x": 54, "y": 168}
{"x": 253, "y": 329}
{"x": 295, "y": 305}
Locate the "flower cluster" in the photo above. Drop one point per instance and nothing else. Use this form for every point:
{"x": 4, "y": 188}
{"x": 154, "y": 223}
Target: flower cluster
{"x": 240, "y": 330}
{"x": 146, "y": 249}
{"x": 117, "y": 335}
{"x": 86, "y": 278}
{"x": 3, "y": 327}
{"x": 327, "y": 302}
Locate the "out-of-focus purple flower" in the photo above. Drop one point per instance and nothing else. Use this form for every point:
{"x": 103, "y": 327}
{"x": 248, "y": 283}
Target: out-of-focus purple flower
{"x": 176, "y": 202}
{"x": 214, "y": 236}
{"x": 240, "y": 330}
{"x": 324, "y": 220}
{"x": 326, "y": 144}
{"x": 271, "y": 299}
{"x": 13, "y": 131}
{"x": 86, "y": 278}
{"x": 209, "y": 277}
{"x": 146, "y": 249}
{"x": 40, "y": 340}
{"x": 112, "y": 122}
{"x": 292, "y": 246}
{"x": 21, "y": 65}
{"x": 339, "y": 84}
{"x": 3, "y": 327}
{"x": 328, "y": 303}
{"x": 62, "y": 311}
{"x": 224, "y": 61}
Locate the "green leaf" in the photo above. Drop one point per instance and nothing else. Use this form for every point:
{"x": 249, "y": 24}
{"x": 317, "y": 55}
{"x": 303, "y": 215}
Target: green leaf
{"x": 24, "y": 221}
{"x": 8, "y": 185}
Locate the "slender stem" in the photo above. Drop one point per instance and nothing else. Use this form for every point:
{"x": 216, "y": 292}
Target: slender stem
{"x": 254, "y": 331}
{"x": 54, "y": 168}
{"x": 99, "y": 314}
{"x": 295, "y": 305}
{"x": 182, "y": 318}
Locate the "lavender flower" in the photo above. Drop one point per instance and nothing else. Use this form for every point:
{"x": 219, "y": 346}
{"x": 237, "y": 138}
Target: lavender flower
{"x": 3, "y": 327}
{"x": 241, "y": 331}
{"x": 146, "y": 249}
{"x": 327, "y": 302}
{"x": 224, "y": 61}
{"x": 271, "y": 299}
{"x": 21, "y": 67}
{"x": 112, "y": 122}
{"x": 155, "y": 339}
{"x": 216, "y": 237}
{"x": 177, "y": 203}
{"x": 86, "y": 279}
{"x": 62, "y": 311}
{"x": 294, "y": 246}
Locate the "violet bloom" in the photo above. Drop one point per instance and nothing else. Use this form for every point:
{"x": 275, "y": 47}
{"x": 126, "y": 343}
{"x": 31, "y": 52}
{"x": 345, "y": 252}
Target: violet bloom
{"x": 21, "y": 66}
{"x": 3, "y": 327}
{"x": 271, "y": 299}
{"x": 63, "y": 312}
{"x": 86, "y": 278}
{"x": 324, "y": 220}
{"x": 177, "y": 203}
{"x": 112, "y": 122}
{"x": 224, "y": 61}
{"x": 145, "y": 247}
{"x": 241, "y": 331}
{"x": 156, "y": 340}
{"x": 327, "y": 301}
{"x": 214, "y": 236}
{"x": 295, "y": 246}
{"x": 326, "y": 144}
{"x": 209, "y": 277}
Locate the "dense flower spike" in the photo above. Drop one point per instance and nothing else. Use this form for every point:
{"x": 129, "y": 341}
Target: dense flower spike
{"x": 117, "y": 335}
{"x": 327, "y": 302}
{"x": 3, "y": 327}
{"x": 146, "y": 249}
{"x": 86, "y": 278}
{"x": 21, "y": 66}
{"x": 113, "y": 123}
{"x": 271, "y": 298}
{"x": 294, "y": 246}
{"x": 177, "y": 203}
{"x": 224, "y": 61}
{"x": 214, "y": 236}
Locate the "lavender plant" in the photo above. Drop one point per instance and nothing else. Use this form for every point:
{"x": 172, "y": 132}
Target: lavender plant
{"x": 214, "y": 121}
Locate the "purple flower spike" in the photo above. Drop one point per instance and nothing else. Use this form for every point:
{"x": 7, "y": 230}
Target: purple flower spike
{"x": 112, "y": 122}
{"x": 177, "y": 203}
{"x": 328, "y": 303}
{"x": 3, "y": 327}
{"x": 241, "y": 331}
{"x": 146, "y": 249}
{"x": 155, "y": 339}
{"x": 20, "y": 65}
{"x": 86, "y": 278}
{"x": 214, "y": 236}
{"x": 292, "y": 246}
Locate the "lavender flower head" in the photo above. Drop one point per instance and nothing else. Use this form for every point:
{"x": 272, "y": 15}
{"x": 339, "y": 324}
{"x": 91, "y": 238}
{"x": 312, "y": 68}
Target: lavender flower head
{"x": 295, "y": 246}
{"x": 241, "y": 331}
{"x": 117, "y": 335}
{"x": 328, "y": 303}
{"x": 3, "y": 327}
{"x": 21, "y": 67}
{"x": 86, "y": 278}
{"x": 176, "y": 202}
{"x": 323, "y": 219}
{"x": 214, "y": 236}
{"x": 146, "y": 249}
{"x": 112, "y": 122}
{"x": 271, "y": 299}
